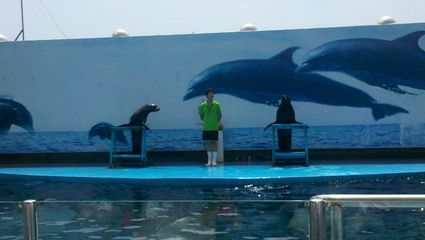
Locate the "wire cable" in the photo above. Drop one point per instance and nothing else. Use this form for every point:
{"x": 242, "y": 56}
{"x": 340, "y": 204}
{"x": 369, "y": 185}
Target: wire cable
{"x": 52, "y": 18}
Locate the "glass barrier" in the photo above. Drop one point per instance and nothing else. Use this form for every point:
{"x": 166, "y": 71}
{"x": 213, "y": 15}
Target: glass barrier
{"x": 173, "y": 220}
{"x": 11, "y": 220}
{"x": 383, "y": 223}
{"x": 368, "y": 217}
{"x": 332, "y": 217}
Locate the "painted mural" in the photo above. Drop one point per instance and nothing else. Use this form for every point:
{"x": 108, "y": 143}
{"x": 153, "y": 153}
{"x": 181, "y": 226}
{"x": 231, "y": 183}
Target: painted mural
{"x": 355, "y": 86}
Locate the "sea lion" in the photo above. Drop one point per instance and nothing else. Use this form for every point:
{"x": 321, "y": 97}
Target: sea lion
{"x": 104, "y": 130}
{"x": 285, "y": 115}
{"x": 139, "y": 118}
{"x": 12, "y": 112}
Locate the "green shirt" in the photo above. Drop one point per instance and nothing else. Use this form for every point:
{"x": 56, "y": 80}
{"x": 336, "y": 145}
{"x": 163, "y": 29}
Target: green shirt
{"x": 211, "y": 115}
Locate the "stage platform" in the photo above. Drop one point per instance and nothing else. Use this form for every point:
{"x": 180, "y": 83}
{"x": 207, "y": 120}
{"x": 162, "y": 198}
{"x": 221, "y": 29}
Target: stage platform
{"x": 201, "y": 175}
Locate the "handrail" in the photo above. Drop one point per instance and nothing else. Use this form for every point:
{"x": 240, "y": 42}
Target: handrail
{"x": 112, "y": 151}
{"x": 290, "y": 125}
{"x": 336, "y": 202}
{"x": 286, "y": 155}
{"x": 30, "y": 220}
{"x": 369, "y": 197}
{"x": 129, "y": 128}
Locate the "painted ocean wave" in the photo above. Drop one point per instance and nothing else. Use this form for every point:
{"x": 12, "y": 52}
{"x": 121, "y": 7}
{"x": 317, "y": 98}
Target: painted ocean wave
{"x": 351, "y": 136}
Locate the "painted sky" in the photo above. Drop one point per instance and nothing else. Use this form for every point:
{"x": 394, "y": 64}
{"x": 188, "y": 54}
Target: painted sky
{"x": 52, "y": 19}
{"x": 70, "y": 85}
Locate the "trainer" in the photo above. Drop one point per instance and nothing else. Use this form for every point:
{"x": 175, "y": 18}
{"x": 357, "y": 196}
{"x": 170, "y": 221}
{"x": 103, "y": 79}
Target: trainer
{"x": 210, "y": 114}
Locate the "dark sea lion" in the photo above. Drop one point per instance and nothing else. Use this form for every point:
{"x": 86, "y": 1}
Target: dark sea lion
{"x": 285, "y": 115}
{"x": 104, "y": 130}
{"x": 14, "y": 113}
{"x": 139, "y": 118}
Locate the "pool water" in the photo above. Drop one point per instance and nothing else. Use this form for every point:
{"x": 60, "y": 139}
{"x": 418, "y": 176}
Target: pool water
{"x": 21, "y": 189}
{"x": 94, "y": 210}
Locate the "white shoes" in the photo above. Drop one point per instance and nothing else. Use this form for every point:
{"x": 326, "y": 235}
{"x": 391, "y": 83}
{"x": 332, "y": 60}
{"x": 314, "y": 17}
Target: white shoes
{"x": 214, "y": 163}
{"x": 209, "y": 162}
{"x": 212, "y": 159}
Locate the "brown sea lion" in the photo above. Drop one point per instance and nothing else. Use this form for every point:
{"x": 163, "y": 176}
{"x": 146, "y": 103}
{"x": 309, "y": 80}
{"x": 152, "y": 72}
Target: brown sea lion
{"x": 139, "y": 118}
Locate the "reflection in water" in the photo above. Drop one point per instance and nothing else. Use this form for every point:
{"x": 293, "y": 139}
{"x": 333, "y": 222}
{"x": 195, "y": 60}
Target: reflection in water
{"x": 171, "y": 220}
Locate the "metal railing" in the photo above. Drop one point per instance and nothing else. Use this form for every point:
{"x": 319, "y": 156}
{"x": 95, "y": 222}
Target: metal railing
{"x": 30, "y": 220}
{"x": 337, "y": 202}
{"x": 288, "y": 155}
{"x": 319, "y": 207}
{"x": 113, "y": 154}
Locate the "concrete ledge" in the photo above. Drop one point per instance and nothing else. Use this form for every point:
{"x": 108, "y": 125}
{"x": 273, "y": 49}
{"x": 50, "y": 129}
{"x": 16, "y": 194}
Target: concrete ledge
{"x": 242, "y": 156}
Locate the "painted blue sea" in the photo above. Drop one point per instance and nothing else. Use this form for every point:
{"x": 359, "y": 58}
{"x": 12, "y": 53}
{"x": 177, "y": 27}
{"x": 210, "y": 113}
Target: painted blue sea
{"x": 347, "y": 136}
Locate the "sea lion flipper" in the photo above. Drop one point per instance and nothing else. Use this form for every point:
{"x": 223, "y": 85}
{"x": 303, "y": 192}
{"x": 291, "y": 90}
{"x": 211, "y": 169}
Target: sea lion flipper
{"x": 268, "y": 126}
{"x": 147, "y": 128}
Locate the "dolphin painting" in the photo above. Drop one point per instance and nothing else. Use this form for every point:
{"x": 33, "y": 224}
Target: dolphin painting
{"x": 264, "y": 81}
{"x": 104, "y": 131}
{"x": 381, "y": 63}
{"x": 255, "y": 80}
{"x": 14, "y": 113}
